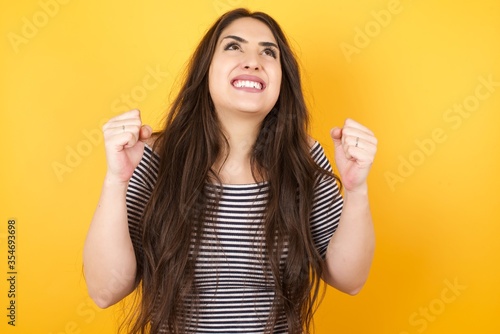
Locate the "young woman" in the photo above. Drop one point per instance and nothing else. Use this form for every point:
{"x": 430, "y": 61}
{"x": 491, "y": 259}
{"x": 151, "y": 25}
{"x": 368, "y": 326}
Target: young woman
{"x": 225, "y": 220}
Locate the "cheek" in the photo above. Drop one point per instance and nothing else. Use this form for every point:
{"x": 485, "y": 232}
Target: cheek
{"x": 277, "y": 82}
{"x": 216, "y": 87}
{"x": 276, "y": 73}
{"x": 279, "y": 73}
{"x": 216, "y": 74}
{"x": 212, "y": 81}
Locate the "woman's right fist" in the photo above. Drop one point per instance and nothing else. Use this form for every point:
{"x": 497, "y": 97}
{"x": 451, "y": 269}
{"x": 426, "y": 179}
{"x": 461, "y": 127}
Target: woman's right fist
{"x": 124, "y": 138}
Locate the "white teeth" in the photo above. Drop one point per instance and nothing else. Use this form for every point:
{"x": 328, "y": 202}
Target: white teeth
{"x": 248, "y": 84}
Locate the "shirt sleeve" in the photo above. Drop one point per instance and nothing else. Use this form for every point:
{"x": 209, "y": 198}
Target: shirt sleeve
{"x": 139, "y": 191}
{"x": 327, "y": 203}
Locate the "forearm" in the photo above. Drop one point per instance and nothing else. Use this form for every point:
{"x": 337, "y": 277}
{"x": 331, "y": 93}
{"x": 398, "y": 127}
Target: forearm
{"x": 350, "y": 251}
{"x": 108, "y": 257}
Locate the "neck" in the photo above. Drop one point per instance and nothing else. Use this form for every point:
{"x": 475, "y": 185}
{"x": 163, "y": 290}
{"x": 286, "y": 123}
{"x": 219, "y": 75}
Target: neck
{"x": 241, "y": 134}
{"x": 241, "y": 131}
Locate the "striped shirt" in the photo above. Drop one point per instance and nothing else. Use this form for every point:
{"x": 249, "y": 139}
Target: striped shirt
{"x": 231, "y": 274}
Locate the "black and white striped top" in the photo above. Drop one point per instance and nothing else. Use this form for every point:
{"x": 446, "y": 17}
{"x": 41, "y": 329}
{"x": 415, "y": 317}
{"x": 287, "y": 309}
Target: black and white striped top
{"x": 235, "y": 292}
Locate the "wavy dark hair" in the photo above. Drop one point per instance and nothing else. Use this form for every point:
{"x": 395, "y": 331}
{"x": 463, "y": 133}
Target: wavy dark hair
{"x": 190, "y": 144}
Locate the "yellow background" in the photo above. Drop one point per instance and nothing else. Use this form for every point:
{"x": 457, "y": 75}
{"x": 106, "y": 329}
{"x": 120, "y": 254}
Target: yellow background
{"x": 434, "y": 185}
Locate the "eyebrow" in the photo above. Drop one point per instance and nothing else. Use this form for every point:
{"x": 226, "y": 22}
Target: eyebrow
{"x": 242, "y": 40}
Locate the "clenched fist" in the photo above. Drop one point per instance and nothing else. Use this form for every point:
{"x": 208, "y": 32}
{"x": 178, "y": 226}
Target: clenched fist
{"x": 124, "y": 138}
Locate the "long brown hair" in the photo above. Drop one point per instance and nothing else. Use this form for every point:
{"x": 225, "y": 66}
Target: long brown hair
{"x": 189, "y": 145}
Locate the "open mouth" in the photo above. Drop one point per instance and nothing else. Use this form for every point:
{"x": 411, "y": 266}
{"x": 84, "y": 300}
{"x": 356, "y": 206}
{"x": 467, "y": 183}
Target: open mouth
{"x": 247, "y": 84}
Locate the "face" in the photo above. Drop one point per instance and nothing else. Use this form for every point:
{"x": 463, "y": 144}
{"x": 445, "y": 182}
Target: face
{"x": 245, "y": 72}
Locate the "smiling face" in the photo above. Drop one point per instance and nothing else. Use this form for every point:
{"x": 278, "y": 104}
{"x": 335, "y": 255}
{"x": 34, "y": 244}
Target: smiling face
{"x": 245, "y": 72}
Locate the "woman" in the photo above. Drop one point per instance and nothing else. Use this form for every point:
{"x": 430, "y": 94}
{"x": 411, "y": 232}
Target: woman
{"x": 224, "y": 220}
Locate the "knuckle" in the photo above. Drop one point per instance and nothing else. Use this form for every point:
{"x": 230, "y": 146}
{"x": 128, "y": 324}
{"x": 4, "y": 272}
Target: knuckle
{"x": 130, "y": 136}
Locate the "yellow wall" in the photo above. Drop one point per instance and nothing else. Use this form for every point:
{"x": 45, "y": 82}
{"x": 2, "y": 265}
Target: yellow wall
{"x": 424, "y": 75}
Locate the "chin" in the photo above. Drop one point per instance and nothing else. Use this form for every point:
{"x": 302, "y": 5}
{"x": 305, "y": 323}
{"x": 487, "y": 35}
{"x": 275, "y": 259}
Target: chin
{"x": 249, "y": 111}
{"x": 253, "y": 108}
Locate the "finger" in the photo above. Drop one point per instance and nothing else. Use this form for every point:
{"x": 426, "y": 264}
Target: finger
{"x": 336, "y": 134}
{"x": 351, "y": 135}
{"x": 358, "y": 149}
{"x": 360, "y": 143}
{"x": 354, "y": 128}
{"x": 350, "y": 123}
{"x": 360, "y": 156}
{"x": 348, "y": 136}
{"x": 123, "y": 131}
{"x": 129, "y": 128}
{"x": 134, "y": 113}
{"x": 122, "y": 124}
{"x": 130, "y": 117}
{"x": 132, "y": 138}
{"x": 145, "y": 133}
{"x": 121, "y": 141}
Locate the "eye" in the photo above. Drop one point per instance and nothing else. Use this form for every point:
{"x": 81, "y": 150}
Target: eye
{"x": 270, "y": 52}
{"x": 232, "y": 46}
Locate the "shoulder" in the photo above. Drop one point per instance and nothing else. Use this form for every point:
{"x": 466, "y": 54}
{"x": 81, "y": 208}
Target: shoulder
{"x": 311, "y": 141}
{"x": 318, "y": 154}
{"x": 315, "y": 147}
{"x": 151, "y": 141}
{"x": 150, "y": 161}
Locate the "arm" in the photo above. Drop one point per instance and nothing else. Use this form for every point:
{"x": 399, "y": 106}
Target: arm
{"x": 108, "y": 256}
{"x": 350, "y": 251}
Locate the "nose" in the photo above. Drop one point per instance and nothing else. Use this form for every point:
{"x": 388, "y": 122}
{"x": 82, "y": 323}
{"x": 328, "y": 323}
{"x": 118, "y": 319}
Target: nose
{"x": 251, "y": 62}
{"x": 255, "y": 67}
